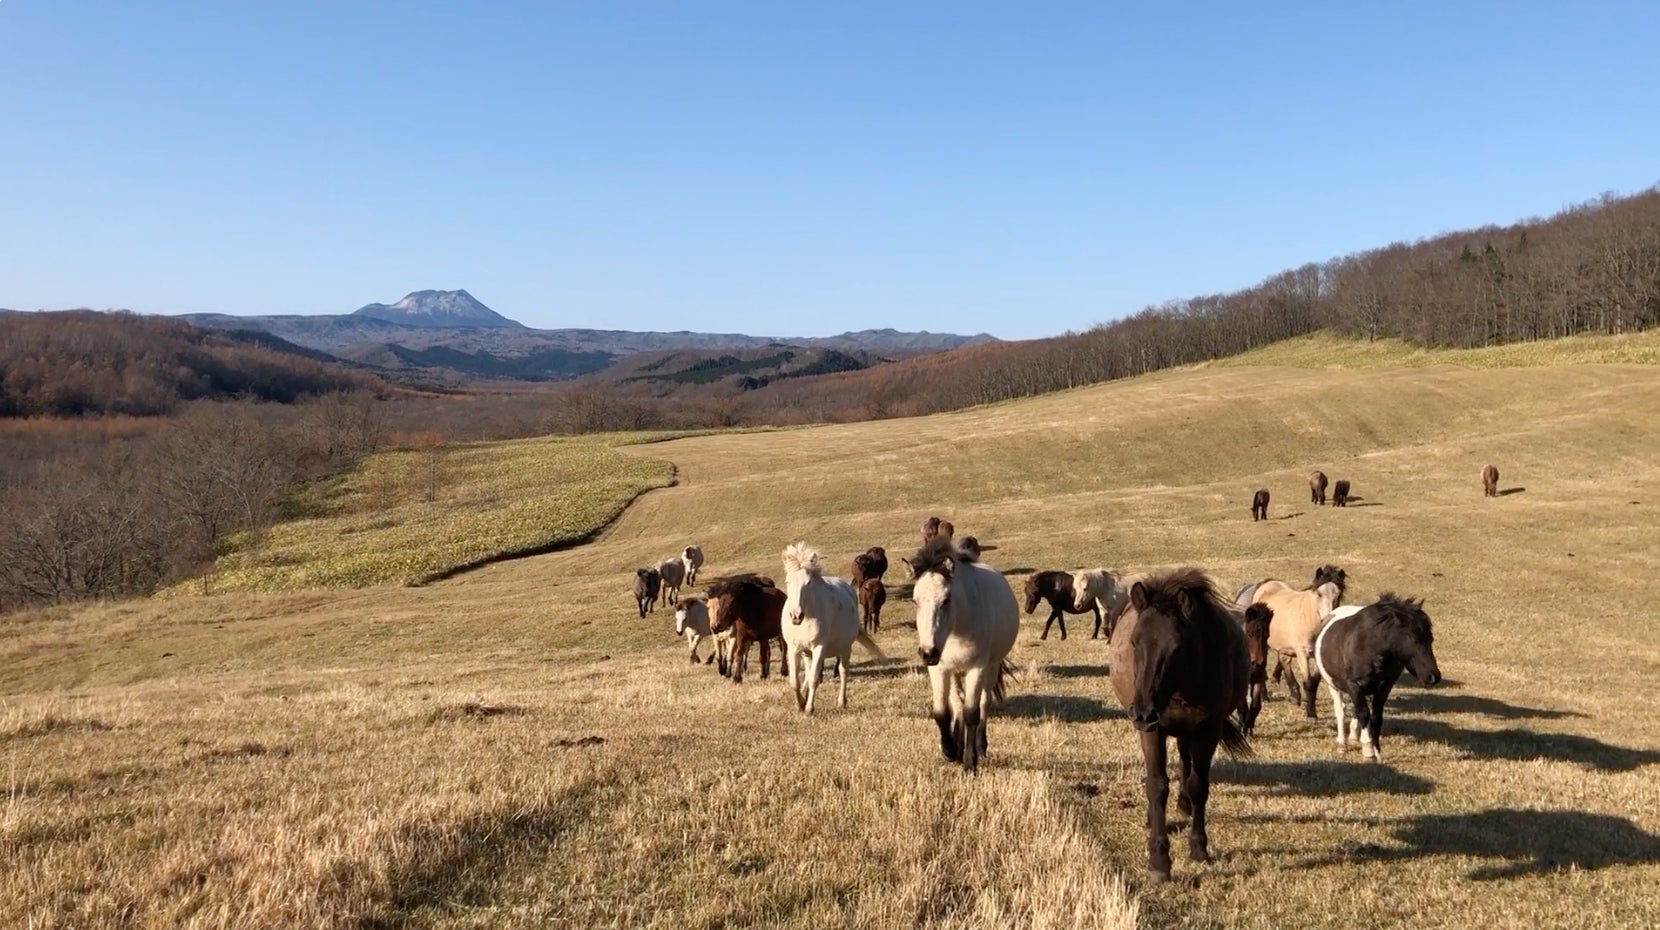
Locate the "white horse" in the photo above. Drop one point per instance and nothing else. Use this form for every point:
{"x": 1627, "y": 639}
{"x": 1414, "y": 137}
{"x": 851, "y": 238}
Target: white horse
{"x": 1105, "y": 590}
{"x": 821, "y": 618}
{"x": 967, "y": 620}
{"x": 693, "y": 557}
{"x": 691, "y": 620}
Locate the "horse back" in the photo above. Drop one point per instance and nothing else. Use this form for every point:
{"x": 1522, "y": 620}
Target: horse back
{"x": 1296, "y": 619}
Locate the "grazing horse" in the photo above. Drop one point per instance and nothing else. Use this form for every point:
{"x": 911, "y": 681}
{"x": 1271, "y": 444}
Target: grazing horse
{"x": 673, "y": 572}
{"x": 1340, "y": 493}
{"x": 646, "y": 585}
{"x": 691, "y": 620}
{"x": 1056, "y": 589}
{"x": 934, "y": 526}
{"x": 1489, "y": 481}
{"x": 1255, "y": 621}
{"x": 1298, "y": 617}
{"x": 1317, "y": 488}
{"x": 966, "y": 623}
{"x": 693, "y": 557}
{"x": 871, "y": 563}
{"x": 1361, "y": 653}
{"x": 752, "y": 607}
{"x": 1180, "y": 670}
{"x": 1108, "y": 590}
{"x": 1259, "y": 505}
{"x": 872, "y": 595}
{"x": 821, "y": 618}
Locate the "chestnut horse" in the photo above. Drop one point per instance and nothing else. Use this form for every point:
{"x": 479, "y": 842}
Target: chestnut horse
{"x": 752, "y": 607}
{"x": 1180, "y": 665}
{"x": 1489, "y": 481}
{"x": 871, "y": 563}
{"x": 872, "y": 595}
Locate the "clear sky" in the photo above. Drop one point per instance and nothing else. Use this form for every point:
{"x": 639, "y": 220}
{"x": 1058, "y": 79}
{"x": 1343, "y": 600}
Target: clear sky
{"x": 783, "y": 168}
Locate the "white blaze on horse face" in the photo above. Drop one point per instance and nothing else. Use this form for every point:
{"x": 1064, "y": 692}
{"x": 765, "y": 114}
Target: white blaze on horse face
{"x": 680, "y": 621}
{"x": 932, "y": 595}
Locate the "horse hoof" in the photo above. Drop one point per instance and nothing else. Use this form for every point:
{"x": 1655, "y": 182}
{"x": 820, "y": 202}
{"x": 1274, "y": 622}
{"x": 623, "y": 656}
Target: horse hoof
{"x": 1155, "y": 877}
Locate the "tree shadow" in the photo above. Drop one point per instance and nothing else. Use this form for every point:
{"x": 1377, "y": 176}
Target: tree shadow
{"x": 1522, "y": 842}
{"x": 1439, "y": 702}
{"x": 1518, "y": 745}
{"x": 1067, "y": 707}
{"x": 1077, "y": 671}
{"x": 1506, "y": 492}
{"x": 1323, "y": 778}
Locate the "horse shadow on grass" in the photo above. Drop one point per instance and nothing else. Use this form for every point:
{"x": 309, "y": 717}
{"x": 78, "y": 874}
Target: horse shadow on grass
{"x": 882, "y": 668}
{"x": 1077, "y": 671}
{"x": 1516, "y": 843}
{"x": 1519, "y": 745}
{"x": 1506, "y": 492}
{"x": 1068, "y": 707}
{"x": 1324, "y": 778}
{"x": 1440, "y": 702}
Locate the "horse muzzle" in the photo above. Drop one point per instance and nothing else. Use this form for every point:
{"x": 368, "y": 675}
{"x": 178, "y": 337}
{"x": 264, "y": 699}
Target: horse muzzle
{"x": 1433, "y": 678}
{"x": 930, "y": 657}
{"x": 1144, "y": 720}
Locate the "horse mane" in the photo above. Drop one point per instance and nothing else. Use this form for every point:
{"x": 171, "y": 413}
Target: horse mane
{"x": 939, "y": 555}
{"x": 1166, "y": 588}
{"x": 736, "y": 584}
{"x": 798, "y": 557}
{"x": 1409, "y": 612}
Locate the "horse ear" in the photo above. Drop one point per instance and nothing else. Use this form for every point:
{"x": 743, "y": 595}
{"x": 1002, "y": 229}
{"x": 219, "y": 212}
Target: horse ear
{"x": 1184, "y": 600}
{"x": 1138, "y": 596}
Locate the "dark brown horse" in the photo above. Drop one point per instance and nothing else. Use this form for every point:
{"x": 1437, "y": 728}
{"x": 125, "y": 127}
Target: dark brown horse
{"x": 1254, "y": 621}
{"x": 871, "y": 563}
{"x": 646, "y": 585}
{"x": 1489, "y": 481}
{"x": 1259, "y": 505}
{"x": 1362, "y": 654}
{"x": 1340, "y": 493}
{"x": 934, "y": 526}
{"x": 1056, "y": 589}
{"x": 1180, "y": 665}
{"x": 872, "y": 595}
{"x": 752, "y": 607}
{"x": 1317, "y": 488}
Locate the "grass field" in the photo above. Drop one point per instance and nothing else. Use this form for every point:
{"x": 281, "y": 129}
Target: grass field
{"x": 513, "y": 747}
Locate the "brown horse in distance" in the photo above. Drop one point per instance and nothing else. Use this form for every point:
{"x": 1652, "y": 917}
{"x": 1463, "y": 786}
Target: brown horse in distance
{"x": 1340, "y": 493}
{"x": 1317, "y": 488}
{"x": 1259, "y": 505}
{"x": 1489, "y": 481}
{"x": 872, "y": 595}
{"x": 1254, "y": 621}
{"x": 752, "y": 607}
{"x": 871, "y": 563}
{"x": 934, "y": 526}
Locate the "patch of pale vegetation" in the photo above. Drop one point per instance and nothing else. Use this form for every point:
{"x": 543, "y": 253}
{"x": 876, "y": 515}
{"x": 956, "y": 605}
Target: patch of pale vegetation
{"x": 515, "y": 748}
{"x": 1327, "y": 350}
{"x": 404, "y": 515}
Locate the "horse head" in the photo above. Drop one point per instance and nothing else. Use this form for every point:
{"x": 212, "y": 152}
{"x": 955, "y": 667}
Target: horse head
{"x": 680, "y": 618}
{"x": 932, "y": 568}
{"x": 1257, "y": 619}
{"x": 1164, "y": 611}
{"x": 1415, "y": 641}
{"x": 1033, "y": 594}
{"x": 720, "y": 616}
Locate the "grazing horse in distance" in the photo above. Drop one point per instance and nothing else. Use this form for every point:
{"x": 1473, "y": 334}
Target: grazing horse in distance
{"x": 821, "y": 618}
{"x": 871, "y": 563}
{"x": 1057, "y": 590}
{"x": 752, "y": 607}
{"x": 1108, "y": 590}
{"x": 1361, "y": 653}
{"x": 691, "y": 620}
{"x": 1298, "y": 617}
{"x": 646, "y": 585}
{"x": 1180, "y": 666}
{"x": 1489, "y": 481}
{"x": 673, "y": 572}
{"x": 1340, "y": 493}
{"x": 872, "y": 595}
{"x": 934, "y": 526}
{"x": 967, "y": 621}
{"x": 1255, "y": 621}
{"x": 1259, "y": 505}
{"x": 693, "y": 557}
{"x": 1317, "y": 488}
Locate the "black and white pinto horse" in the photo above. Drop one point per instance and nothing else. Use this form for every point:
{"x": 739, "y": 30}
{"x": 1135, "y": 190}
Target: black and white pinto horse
{"x": 1361, "y": 653}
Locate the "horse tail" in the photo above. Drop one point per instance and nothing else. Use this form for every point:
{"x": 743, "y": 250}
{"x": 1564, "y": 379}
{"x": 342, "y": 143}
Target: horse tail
{"x": 869, "y": 644}
{"x": 1234, "y": 740}
{"x": 999, "y": 683}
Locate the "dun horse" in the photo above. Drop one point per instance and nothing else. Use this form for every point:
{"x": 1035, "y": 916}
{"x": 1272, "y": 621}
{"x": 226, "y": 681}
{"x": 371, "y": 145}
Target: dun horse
{"x": 1298, "y": 617}
{"x": 1179, "y": 666}
{"x": 966, "y": 623}
{"x": 1361, "y": 654}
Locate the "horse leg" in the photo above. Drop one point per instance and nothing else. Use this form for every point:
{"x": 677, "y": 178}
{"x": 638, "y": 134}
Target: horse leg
{"x": 815, "y": 671}
{"x": 1363, "y": 724}
{"x": 1284, "y": 675}
{"x": 1053, "y": 613}
{"x": 971, "y": 719}
{"x": 938, "y": 682}
{"x": 1060, "y": 617}
{"x": 1197, "y": 789}
{"x": 985, "y": 707}
{"x": 1158, "y": 794}
{"x": 1184, "y": 802}
{"x": 841, "y": 676}
{"x": 766, "y": 657}
{"x": 792, "y": 659}
{"x": 1096, "y": 610}
{"x": 1337, "y": 712}
{"x": 1311, "y": 684}
{"x": 1375, "y": 732}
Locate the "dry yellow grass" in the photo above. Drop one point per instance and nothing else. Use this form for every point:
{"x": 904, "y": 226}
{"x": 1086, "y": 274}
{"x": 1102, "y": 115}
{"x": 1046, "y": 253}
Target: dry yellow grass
{"x": 428, "y": 756}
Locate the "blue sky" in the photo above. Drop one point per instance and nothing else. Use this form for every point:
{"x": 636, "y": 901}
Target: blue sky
{"x": 783, "y": 168}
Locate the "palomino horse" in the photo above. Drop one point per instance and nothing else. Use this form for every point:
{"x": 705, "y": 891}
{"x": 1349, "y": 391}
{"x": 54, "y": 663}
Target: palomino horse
{"x": 821, "y": 618}
{"x": 1255, "y": 621}
{"x": 966, "y": 623}
{"x": 1298, "y": 617}
{"x": 1361, "y": 653}
{"x": 1179, "y": 666}
{"x": 750, "y": 606}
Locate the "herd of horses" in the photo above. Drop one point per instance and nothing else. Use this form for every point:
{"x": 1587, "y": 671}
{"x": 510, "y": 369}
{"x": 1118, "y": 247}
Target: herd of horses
{"x": 1186, "y": 662}
{"x": 1341, "y": 491}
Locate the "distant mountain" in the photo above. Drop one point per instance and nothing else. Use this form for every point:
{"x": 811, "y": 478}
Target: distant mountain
{"x": 448, "y": 309}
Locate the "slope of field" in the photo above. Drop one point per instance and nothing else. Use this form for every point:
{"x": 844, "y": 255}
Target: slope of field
{"x": 515, "y": 748}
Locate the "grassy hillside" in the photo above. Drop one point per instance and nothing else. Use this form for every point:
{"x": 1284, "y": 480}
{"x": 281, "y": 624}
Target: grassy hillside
{"x": 514, "y": 748}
